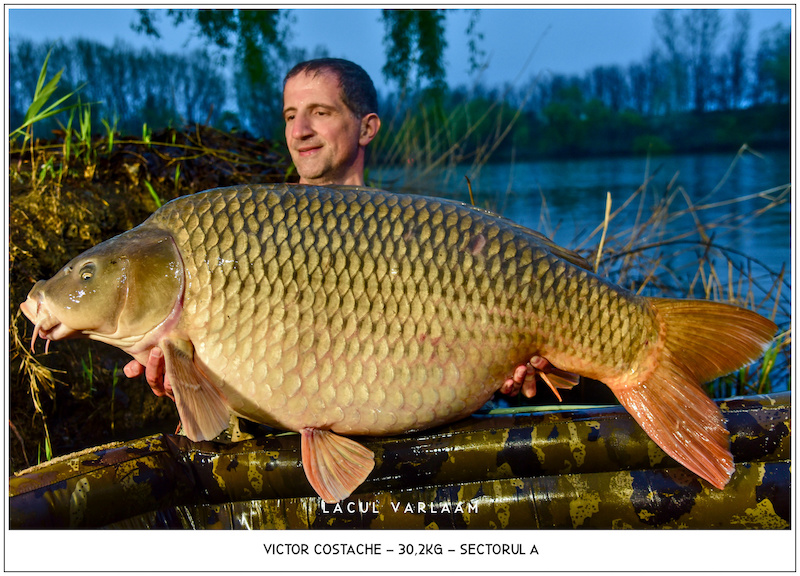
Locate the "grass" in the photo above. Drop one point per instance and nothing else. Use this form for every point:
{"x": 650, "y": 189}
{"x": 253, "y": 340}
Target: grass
{"x": 114, "y": 383}
{"x": 87, "y": 372}
{"x": 153, "y": 194}
{"x": 41, "y": 381}
{"x": 37, "y": 111}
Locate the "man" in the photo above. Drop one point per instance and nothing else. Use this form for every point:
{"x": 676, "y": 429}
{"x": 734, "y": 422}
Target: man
{"x": 330, "y": 107}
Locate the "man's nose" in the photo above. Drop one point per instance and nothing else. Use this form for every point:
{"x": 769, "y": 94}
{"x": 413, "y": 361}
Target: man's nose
{"x": 301, "y": 127}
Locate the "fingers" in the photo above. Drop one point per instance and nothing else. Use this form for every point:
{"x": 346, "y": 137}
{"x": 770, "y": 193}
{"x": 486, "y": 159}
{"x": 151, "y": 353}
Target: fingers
{"x": 509, "y": 387}
{"x": 525, "y": 376}
{"x": 513, "y": 385}
{"x": 154, "y": 372}
{"x": 529, "y": 386}
{"x": 133, "y": 369}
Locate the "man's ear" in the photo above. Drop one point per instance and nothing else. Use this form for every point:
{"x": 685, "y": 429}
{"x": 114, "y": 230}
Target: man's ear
{"x": 370, "y": 124}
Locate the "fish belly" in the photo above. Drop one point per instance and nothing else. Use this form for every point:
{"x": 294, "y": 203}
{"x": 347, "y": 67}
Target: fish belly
{"x": 363, "y": 312}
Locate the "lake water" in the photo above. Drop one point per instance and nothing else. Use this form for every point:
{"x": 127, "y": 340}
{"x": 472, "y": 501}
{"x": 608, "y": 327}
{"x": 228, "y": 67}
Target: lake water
{"x": 566, "y": 200}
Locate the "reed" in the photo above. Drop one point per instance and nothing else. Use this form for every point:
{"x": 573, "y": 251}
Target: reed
{"x": 649, "y": 256}
{"x": 429, "y": 142}
{"x": 37, "y": 111}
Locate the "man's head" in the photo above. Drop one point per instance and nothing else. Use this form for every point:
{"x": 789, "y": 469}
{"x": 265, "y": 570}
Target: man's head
{"x": 331, "y": 112}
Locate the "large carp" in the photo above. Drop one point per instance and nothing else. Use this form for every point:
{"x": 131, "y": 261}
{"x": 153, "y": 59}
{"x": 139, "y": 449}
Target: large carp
{"x": 332, "y": 311}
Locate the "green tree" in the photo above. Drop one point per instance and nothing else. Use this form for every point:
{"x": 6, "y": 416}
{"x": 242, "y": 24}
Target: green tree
{"x": 774, "y": 65}
{"x": 124, "y": 86}
{"x": 671, "y": 36}
{"x": 414, "y": 42}
{"x": 564, "y": 129}
{"x": 737, "y": 51}
{"x": 701, "y": 29}
{"x": 258, "y": 41}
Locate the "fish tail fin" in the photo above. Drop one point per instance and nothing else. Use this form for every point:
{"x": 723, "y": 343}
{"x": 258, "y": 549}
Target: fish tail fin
{"x": 702, "y": 341}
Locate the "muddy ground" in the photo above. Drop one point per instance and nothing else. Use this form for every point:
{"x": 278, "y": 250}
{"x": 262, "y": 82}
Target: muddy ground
{"x": 64, "y": 200}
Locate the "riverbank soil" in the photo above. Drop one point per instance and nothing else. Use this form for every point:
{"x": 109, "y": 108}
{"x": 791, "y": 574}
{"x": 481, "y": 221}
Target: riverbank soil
{"x": 65, "y": 197}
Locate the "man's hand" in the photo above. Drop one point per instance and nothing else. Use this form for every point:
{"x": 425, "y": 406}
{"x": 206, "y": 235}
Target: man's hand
{"x": 525, "y": 376}
{"x": 154, "y": 373}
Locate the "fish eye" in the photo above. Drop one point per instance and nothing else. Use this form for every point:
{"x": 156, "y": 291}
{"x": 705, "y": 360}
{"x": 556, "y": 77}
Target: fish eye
{"x": 87, "y": 271}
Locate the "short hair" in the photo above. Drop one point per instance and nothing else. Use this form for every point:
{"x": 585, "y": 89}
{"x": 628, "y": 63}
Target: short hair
{"x": 358, "y": 91}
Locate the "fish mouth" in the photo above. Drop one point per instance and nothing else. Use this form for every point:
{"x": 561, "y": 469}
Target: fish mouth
{"x": 46, "y": 326}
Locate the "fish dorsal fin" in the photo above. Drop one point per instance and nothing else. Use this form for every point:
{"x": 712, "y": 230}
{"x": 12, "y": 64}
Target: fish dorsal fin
{"x": 334, "y": 465}
{"x": 201, "y": 406}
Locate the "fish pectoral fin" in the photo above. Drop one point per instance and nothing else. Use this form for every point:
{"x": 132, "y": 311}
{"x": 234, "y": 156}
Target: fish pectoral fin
{"x": 334, "y": 465}
{"x": 559, "y": 379}
{"x": 564, "y": 380}
{"x": 554, "y": 377}
{"x": 201, "y": 406}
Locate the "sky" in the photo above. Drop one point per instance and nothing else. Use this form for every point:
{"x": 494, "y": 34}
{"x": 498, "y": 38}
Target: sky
{"x": 519, "y": 42}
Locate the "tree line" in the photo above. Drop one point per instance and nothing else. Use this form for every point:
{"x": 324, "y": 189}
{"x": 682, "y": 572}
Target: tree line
{"x": 689, "y": 69}
{"x": 127, "y": 87}
{"x": 689, "y": 81}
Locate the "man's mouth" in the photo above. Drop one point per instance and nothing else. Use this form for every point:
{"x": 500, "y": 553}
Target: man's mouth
{"x": 308, "y": 150}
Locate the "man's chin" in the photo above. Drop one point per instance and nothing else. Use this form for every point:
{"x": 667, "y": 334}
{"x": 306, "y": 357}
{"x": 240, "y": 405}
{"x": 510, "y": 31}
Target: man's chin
{"x": 317, "y": 178}
{"x": 311, "y": 172}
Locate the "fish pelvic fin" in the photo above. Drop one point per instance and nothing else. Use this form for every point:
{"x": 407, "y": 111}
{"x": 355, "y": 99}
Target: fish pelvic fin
{"x": 701, "y": 341}
{"x": 201, "y": 406}
{"x": 334, "y": 465}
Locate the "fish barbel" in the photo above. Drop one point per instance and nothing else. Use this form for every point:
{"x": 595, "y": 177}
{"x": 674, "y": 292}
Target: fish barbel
{"x": 350, "y": 311}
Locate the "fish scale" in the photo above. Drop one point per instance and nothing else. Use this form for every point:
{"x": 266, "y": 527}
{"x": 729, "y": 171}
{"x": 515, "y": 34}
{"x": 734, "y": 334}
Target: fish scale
{"x": 345, "y": 310}
{"x": 388, "y": 325}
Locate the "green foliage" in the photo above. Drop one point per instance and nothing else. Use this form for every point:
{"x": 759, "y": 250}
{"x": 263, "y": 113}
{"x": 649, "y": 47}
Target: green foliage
{"x": 436, "y": 137}
{"x": 153, "y": 194}
{"x": 477, "y": 55}
{"x": 147, "y": 133}
{"x": 645, "y": 108}
{"x": 87, "y": 371}
{"x": 774, "y": 64}
{"x": 565, "y": 122}
{"x": 414, "y": 43}
{"x": 127, "y": 85}
{"x": 110, "y": 131}
{"x": 257, "y": 39}
{"x": 41, "y": 96}
{"x": 650, "y": 145}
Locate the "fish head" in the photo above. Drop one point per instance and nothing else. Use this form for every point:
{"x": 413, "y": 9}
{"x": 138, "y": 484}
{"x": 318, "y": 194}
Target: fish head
{"x": 118, "y": 291}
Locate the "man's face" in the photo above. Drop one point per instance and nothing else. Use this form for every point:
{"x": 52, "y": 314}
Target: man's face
{"x": 322, "y": 134}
